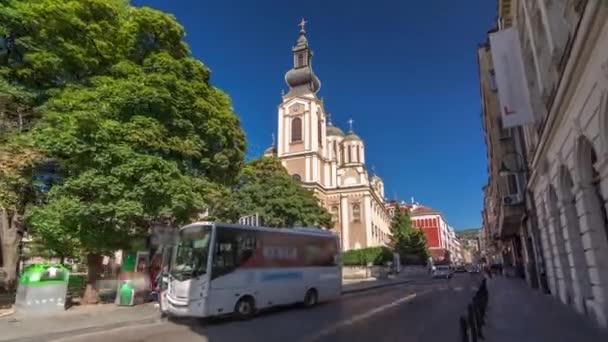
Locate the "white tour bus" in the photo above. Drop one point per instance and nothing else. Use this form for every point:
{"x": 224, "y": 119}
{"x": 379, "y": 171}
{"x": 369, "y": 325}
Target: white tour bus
{"x": 219, "y": 269}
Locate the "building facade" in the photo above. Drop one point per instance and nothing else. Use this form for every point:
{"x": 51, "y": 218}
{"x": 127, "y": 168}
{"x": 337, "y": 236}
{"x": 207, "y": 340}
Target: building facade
{"x": 564, "y": 226}
{"x": 326, "y": 160}
{"x": 439, "y": 235}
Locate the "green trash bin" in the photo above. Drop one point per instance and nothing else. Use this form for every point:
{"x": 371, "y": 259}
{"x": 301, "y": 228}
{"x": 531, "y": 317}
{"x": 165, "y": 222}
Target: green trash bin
{"x": 126, "y": 294}
{"x": 42, "y": 289}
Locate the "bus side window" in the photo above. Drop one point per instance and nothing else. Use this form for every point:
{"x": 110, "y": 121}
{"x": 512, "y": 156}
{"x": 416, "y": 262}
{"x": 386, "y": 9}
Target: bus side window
{"x": 224, "y": 261}
{"x": 246, "y": 247}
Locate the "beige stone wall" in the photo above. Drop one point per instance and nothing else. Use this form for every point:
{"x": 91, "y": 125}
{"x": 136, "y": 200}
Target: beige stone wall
{"x": 296, "y": 166}
{"x": 357, "y": 229}
{"x": 296, "y": 147}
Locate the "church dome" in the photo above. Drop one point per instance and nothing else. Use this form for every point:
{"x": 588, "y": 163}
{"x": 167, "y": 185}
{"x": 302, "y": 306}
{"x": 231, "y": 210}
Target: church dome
{"x": 270, "y": 150}
{"x": 303, "y": 78}
{"x": 332, "y": 130}
{"x": 352, "y": 137}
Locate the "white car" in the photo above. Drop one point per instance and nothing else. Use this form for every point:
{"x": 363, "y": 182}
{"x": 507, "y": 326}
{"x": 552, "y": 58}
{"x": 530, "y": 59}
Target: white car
{"x": 442, "y": 272}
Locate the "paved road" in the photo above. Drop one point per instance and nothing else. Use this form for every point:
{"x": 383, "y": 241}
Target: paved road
{"x": 426, "y": 310}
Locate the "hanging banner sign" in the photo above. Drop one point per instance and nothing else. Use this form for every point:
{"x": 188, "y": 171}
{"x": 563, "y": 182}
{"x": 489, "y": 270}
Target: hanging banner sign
{"x": 513, "y": 94}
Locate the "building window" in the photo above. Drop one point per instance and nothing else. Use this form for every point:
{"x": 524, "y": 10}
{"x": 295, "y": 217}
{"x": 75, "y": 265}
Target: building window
{"x": 296, "y": 129}
{"x": 356, "y": 213}
{"x": 335, "y": 149}
{"x": 335, "y": 213}
{"x": 512, "y": 184}
{"x": 320, "y": 132}
{"x": 350, "y": 160}
{"x": 493, "y": 80}
{"x": 296, "y": 177}
{"x": 300, "y": 60}
{"x": 341, "y": 154}
{"x": 358, "y": 154}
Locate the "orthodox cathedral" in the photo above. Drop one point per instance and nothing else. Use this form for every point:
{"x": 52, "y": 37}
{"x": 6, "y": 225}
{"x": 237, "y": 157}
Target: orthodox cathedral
{"x": 326, "y": 160}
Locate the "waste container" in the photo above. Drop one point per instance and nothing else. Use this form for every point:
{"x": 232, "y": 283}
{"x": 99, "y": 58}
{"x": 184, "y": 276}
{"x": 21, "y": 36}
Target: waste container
{"x": 126, "y": 294}
{"x": 42, "y": 289}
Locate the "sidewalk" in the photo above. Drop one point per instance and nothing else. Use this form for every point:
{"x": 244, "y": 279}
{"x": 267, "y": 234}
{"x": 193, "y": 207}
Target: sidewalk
{"x": 85, "y": 319}
{"x": 77, "y": 320}
{"x": 518, "y": 313}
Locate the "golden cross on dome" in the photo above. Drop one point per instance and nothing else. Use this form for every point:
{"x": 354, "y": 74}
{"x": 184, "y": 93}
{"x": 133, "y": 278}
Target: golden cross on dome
{"x": 302, "y": 23}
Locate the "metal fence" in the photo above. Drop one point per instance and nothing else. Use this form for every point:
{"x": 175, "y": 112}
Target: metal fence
{"x": 472, "y": 322}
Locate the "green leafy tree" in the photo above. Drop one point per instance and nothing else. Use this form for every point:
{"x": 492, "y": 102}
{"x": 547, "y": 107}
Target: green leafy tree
{"x": 265, "y": 187}
{"x": 17, "y": 162}
{"x": 401, "y": 229}
{"x": 137, "y": 130}
{"x": 406, "y": 240}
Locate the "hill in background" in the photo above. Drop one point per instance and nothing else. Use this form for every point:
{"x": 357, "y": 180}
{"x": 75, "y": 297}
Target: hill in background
{"x": 468, "y": 233}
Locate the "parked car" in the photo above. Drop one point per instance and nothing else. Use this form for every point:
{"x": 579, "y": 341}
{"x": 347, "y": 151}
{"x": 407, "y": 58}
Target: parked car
{"x": 461, "y": 269}
{"x": 442, "y": 272}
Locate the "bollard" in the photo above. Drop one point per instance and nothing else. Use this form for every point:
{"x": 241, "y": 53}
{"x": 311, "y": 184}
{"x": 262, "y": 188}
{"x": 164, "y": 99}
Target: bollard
{"x": 472, "y": 324}
{"x": 478, "y": 322}
{"x": 464, "y": 330}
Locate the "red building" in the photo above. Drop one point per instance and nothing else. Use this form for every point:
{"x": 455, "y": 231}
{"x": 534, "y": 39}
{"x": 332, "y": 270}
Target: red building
{"x": 439, "y": 235}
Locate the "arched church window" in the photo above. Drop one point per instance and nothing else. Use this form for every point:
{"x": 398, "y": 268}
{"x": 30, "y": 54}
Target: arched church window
{"x": 350, "y": 157}
{"x": 320, "y": 132}
{"x": 296, "y": 129}
{"x": 300, "y": 60}
{"x": 296, "y": 177}
{"x": 335, "y": 149}
{"x": 342, "y": 154}
{"x": 358, "y": 154}
{"x": 596, "y": 182}
{"x": 356, "y": 213}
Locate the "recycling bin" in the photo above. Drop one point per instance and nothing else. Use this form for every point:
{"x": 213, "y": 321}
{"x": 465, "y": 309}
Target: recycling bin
{"x": 42, "y": 289}
{"x": 126, "y": 294}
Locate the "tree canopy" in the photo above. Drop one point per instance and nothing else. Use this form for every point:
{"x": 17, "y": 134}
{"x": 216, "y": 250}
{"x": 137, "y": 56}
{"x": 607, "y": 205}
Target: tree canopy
{"x": 265, "y": 187}
{"x": 109, "y": 94}
{"x": 406, "y": 240}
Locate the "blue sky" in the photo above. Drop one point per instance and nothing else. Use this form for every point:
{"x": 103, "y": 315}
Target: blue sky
{"x": 404, "y": 71}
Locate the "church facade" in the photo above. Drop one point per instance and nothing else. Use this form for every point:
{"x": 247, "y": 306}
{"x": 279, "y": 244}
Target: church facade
{"x": 326, "y": 160}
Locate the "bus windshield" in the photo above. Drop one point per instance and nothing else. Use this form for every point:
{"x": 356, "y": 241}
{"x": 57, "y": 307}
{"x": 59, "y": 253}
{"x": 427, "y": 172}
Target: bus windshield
{"x": 190, "y": 257}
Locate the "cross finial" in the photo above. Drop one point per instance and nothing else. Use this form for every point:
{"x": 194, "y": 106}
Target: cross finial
{"x": 272, "y": 139}
{"x": 329, "y": 118}
{"x": 302, "y": 23}
{"x": 350, "y": 124}
{"x": 374, "y": 170}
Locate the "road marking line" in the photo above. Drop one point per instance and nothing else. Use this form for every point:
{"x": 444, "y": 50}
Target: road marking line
{"x": 363, "y": 316}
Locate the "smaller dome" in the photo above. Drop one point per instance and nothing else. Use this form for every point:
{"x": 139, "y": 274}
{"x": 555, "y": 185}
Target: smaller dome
{"x": 271, "y": 150}
{"x": 352, "y": 137}
{"x": 333, "y": 130}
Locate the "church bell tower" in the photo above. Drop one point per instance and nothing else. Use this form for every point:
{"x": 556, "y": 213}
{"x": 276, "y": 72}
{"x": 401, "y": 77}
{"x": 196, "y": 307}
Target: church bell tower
{"x": 301, "y": 125}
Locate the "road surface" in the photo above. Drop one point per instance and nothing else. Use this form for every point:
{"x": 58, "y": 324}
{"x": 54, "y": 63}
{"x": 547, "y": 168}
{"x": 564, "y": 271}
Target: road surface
{"x": 425, "y": 310}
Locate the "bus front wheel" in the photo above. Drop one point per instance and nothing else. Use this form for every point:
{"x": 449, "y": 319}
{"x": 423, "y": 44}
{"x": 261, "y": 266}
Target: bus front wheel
{"x": 245, "y": 308}
{"x": 311, "y": 299}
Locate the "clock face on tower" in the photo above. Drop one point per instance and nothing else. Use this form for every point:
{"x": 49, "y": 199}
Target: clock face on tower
{"x": 296, "y": 108}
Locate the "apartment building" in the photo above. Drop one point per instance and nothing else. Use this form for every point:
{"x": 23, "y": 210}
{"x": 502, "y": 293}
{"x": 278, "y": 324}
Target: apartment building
{"x": 558, "y": 157}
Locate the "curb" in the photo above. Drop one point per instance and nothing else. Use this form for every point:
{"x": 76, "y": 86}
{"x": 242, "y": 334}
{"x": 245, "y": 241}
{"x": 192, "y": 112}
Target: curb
{"x": 85, "y": 330}
{"x": 8, "y": 313}
{"x": 374, "y": 287}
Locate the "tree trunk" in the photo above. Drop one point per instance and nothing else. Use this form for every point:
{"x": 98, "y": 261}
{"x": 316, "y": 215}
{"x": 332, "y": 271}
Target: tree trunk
{"x": 91, "y": 295}
{"x": 10, "y": 222}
